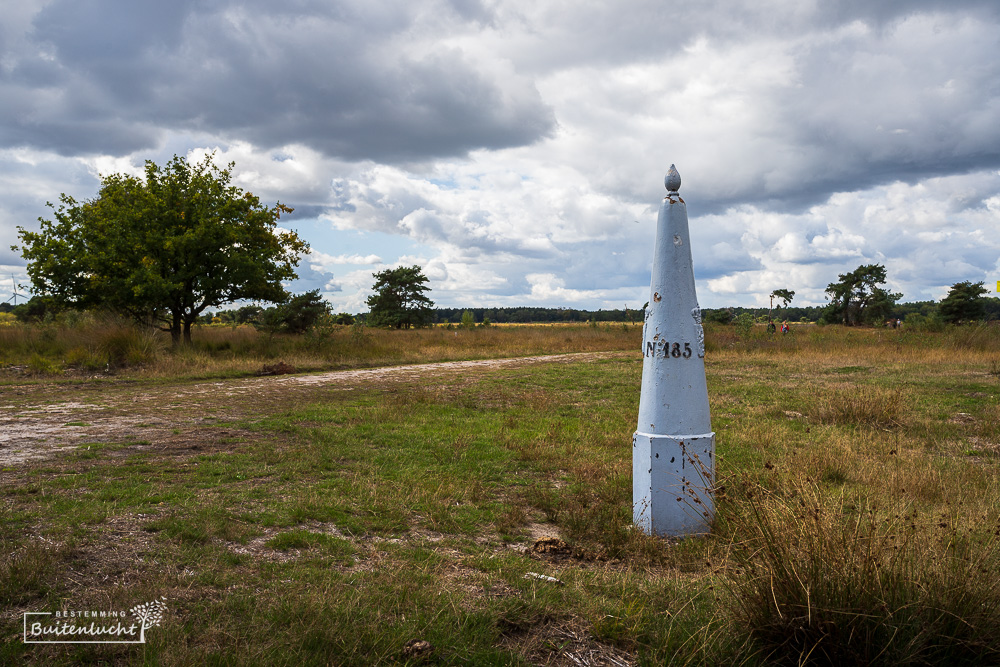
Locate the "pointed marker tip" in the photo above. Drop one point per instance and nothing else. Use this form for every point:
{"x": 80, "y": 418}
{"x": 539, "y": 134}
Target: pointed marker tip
{"x": 672, "y": 180}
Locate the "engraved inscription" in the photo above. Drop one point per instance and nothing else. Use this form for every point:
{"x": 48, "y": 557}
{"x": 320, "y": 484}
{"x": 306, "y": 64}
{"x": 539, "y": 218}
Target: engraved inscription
{"x": 668, "y": 349}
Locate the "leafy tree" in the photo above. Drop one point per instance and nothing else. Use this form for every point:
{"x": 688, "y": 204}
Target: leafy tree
{"x": 468, "y": 320}
{"x": 858, "y": 299}
{"x": 399, "y": 299}
{"x": 163, "y": 249}
{"x": 965, "y": 302}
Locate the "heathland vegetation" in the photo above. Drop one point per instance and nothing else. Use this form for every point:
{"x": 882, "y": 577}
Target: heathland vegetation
{"x": 347, "y": 521}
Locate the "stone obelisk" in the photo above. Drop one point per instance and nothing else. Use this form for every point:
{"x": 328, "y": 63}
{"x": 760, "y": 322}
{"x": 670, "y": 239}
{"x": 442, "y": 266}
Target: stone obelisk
{"x": 673, "y": 449}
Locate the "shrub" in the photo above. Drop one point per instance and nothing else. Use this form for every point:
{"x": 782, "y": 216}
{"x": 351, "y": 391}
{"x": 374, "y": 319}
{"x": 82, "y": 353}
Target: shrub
{"x": 43, "y": 366}
{"x": 930, "y": 323}
{"x": 744, "y": 324}
{"x": 304, "y": 311}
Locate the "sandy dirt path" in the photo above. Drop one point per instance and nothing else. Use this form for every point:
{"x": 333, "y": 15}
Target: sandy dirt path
{"x": 39, "y": 420}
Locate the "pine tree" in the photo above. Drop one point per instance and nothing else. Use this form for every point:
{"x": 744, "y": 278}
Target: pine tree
{"x": 399, "y": 301}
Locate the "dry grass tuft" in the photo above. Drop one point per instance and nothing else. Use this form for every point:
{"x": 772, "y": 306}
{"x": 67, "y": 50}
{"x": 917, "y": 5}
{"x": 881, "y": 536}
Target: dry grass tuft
{"x": 861, "y": 405}
{"x": 831, "y": 582}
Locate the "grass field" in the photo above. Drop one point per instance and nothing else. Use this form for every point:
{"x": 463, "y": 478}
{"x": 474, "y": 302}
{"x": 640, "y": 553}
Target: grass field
{"x": 104, "y": 347}
{"x": 341, "y": 522}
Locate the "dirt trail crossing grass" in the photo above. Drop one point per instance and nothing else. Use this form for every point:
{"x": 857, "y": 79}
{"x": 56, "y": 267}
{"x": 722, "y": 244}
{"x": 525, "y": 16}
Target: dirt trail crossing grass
{"x": 39, "y": 420}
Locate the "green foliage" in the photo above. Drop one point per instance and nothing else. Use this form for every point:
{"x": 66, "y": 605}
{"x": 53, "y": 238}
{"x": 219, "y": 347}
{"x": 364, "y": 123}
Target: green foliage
{"x": 965, "y": 302}
{"x": 932, "y": 323}
{"x": 399, "y": 301}
{"x": 718, "y": 315}
{"x": 468, "y": 320}
{"x": 43, "y": 366}
{"x": 858, "y": 299}
{"x": 304, "y": 311}
{"x": 358, "y": 333}
{"x": 270, "y": 320}
{"x": 37, "y": 309}
{"x": 744, "y": 325}
{"x": 248, "y": 314}
{"x": 164, "y": 249}
{"x": 534, "y": 315}
{"x": 785, "y": 295}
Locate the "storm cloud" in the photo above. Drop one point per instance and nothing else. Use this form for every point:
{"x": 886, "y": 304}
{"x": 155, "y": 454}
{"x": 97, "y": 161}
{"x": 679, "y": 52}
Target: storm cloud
{"x": 355, "y": 80}
{"x": 516, "y": 149}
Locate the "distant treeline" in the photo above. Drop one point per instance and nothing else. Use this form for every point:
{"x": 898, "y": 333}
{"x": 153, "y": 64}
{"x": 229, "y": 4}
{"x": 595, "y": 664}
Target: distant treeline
{"x": 38, "y": 307}
{"x": 524, "y": 315}
{"x": 925, "y": 309}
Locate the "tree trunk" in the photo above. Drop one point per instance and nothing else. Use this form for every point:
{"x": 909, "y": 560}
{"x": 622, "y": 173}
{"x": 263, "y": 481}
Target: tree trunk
{"x": 175, "y": 328}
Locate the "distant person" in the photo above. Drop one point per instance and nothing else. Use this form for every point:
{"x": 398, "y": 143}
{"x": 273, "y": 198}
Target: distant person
{"x": 784, "y": 327}
{"x": 770, "y": 327}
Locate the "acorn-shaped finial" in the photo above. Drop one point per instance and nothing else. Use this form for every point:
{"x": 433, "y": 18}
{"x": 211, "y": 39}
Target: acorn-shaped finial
{"x": 672, "y": 180}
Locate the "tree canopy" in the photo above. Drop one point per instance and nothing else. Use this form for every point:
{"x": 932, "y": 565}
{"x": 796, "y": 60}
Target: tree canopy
{"x": 163, "y": 249}
{"x": 965, "y": 302}
{"x": 858, "y": 297}
{"x": 783, "y": 295}
{"x": 399, "y": 300}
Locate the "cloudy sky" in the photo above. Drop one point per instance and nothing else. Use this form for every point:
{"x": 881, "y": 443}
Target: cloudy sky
{"x": 516, "y": 148}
